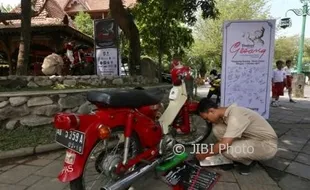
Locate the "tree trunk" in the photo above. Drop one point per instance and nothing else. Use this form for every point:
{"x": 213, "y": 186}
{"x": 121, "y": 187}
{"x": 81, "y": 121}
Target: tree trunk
{"x": 126, "y": 23}
{"x": 25, "y": 38}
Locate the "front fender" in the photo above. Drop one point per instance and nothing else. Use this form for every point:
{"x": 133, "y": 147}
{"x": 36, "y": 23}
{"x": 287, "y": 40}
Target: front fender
{"x": 74, "y": 163}
{"x": 192, "y": 106}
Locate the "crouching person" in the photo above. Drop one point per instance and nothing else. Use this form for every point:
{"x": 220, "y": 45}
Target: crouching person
{"x": 243, "y": 135}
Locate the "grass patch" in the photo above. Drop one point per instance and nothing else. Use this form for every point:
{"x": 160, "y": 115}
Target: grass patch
{"x": 26, "y": 137}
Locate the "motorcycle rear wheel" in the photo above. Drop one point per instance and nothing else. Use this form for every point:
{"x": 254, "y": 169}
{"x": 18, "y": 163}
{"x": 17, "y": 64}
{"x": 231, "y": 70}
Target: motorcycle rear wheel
{"x": 197, "y": 135}
{"x": 79, "y": 183}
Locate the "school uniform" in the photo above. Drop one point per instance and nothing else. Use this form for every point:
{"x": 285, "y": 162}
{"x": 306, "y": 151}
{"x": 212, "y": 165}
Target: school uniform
{"x": 278, "y": 77}
{"x": 289, "y": 77}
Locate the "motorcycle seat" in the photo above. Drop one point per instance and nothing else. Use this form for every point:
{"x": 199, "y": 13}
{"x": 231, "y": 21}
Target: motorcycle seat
{"x": 129, "y": 98}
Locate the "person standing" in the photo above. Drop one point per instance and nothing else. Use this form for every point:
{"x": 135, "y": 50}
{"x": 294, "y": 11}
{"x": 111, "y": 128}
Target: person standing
{"x": 289, "y": 78}
{"x": 278, "y": 81}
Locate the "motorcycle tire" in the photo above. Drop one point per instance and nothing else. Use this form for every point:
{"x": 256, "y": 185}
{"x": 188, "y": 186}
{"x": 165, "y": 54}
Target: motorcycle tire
{"x": 202, "y": 137}
{"x": 78, "y": 184}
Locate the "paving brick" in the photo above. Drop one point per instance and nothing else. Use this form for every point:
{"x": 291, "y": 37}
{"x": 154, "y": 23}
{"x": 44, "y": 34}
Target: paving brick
{"x": 281, "y": 131}
{"x": 51, "y": 170}
{"x": 30, "y": 180}
{"x": 225, "y": 176}
{"x": 290, "y": 145}
{"x": 48, "y": 183}
{"x": 225, "y": 186}
{"x": 7, "y": 167}
{"x": 12, "y": 187}
{"x": 277, "y": 163}
{"x": 39, "y": 162}
{"x": 299, "y": 169}
{"x": 149, "y": 182}
{"x": 256, "y": 186}
{"x": 290, "y": 182}
{"x": 293, "y": 139}
{"x": 306, "y": 149}
{"x": 62, "y": 157}
{"x": 52, "y": 155}
{"x": 17, "y": 174}
{"x": 299, "y": 133}
{"x": 303, "y": 158}
{"x": 257, "y": 176}
{"x": 286, "y": 153}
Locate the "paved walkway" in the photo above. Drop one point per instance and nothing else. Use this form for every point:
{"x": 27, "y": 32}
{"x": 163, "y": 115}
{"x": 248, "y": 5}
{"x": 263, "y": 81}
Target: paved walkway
{"x": 290, "y": 168}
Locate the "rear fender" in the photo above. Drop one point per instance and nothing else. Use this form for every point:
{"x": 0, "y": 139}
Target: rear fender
{"x": 74, "y": 163}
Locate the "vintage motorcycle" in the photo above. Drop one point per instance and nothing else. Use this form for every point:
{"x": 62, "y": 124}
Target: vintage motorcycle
{"x": 124, "y": 139}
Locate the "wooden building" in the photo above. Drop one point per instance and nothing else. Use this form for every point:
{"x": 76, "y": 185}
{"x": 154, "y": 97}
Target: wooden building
{"x": 97, "y": 9}
{"x": 50, "y": 31}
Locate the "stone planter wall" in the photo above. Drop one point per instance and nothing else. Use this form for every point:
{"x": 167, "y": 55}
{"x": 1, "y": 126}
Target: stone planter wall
{"x": 33, "y": 109}
{"x": 71, "y": 81}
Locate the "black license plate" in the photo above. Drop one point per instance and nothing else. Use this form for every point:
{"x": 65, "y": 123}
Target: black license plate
{"x": 73, "y": 140}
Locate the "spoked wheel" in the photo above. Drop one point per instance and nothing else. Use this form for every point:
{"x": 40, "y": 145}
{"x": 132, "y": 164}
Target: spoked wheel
{"x": 101, "y": 163}
{"x": 200, "y": 130}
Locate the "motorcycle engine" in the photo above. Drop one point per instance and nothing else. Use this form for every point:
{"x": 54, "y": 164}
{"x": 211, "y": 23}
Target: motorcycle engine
{"x": 166, "y": 145}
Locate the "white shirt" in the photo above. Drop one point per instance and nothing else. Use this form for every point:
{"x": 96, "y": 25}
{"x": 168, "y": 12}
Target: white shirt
{"x": 278, "y": 75}
{"x": 288, "y": 71}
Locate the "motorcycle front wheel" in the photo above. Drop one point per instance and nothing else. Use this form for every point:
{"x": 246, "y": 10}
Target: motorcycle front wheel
{"x": 98, "y": 169}
{"x": 200, "y": 131}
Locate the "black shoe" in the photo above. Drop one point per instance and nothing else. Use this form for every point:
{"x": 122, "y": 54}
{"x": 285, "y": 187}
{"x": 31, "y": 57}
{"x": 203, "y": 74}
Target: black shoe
{"x": 227, "y": 167}
{"x": 292, "y": 101}
{"x": 246, "y": 170}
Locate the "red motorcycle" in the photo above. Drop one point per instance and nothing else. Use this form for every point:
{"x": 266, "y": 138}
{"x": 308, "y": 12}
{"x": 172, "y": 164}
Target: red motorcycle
{"x": 123, "y": 139}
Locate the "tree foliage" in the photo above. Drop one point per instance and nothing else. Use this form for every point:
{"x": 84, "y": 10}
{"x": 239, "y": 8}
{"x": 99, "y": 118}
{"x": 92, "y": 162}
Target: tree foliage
{"x": 84, "y": 23}
{"x": 158, "y": 22}
{"x": 5, "y": 8}
{"x": 208, "y": 33}
{"x": 286, "y": 48}
{"x": 162, "y": 31}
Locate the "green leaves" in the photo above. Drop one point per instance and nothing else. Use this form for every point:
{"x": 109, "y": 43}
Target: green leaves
{"x": 5, "y": 8}
{"x": 208, "y": 32}
{"x": 84, "y": 23}
{"x": 164, "y": 24}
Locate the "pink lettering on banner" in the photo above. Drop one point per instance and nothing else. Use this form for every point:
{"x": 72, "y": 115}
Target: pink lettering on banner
{"x": 236, "y": 49}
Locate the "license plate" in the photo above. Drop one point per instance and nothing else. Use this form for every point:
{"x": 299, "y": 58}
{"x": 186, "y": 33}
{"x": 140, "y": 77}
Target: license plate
{"x": 73, "y": 140}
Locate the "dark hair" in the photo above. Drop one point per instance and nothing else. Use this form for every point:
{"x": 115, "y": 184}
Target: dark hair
{"x": 288, "y": 61}
{"x": 279, "y": 62}
{"x": 205, "y": 104}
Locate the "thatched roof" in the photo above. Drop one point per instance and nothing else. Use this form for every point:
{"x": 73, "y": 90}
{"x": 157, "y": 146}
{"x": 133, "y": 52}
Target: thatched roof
{"x": 51, "y": 15}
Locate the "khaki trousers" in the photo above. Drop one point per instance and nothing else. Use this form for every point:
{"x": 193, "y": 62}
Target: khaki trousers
{"x": 246, "y": 150}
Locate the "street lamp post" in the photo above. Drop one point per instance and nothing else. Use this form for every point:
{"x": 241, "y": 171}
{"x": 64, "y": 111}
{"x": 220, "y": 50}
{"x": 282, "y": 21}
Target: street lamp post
{"x": 299, "y": 79}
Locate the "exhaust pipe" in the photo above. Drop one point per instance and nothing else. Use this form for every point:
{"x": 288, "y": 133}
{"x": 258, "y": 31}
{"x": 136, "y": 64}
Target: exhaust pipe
{"x": 130, "y": 178}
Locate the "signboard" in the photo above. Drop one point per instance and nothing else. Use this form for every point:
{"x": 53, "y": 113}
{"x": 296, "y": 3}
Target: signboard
{"x": 107, "y": 52}
{"x": 285, "y": 22}
{"x": 107, "y": 62}
{"x": 248, "y": 49}
{"x": 106, "y": 33}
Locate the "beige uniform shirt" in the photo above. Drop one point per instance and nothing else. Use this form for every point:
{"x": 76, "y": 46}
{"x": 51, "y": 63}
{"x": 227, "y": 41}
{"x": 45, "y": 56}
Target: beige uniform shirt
{"x": 245, "y": 123}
